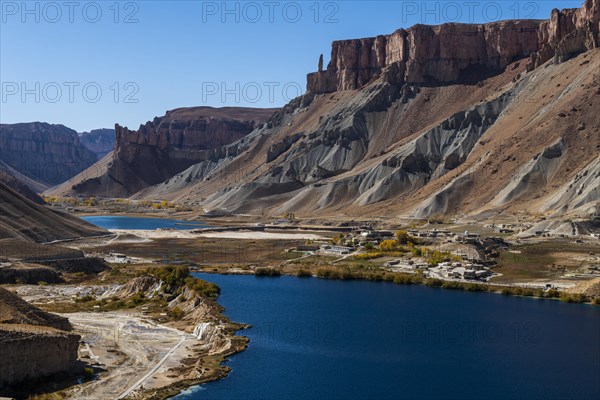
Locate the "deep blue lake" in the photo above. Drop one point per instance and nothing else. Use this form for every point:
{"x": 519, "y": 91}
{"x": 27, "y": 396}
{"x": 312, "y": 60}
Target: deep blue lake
{"x": 321, "y": 339}
{"x": 141, "y": 223}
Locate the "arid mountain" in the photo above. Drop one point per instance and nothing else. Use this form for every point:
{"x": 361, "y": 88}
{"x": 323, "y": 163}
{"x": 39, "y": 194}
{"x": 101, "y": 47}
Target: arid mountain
{"x": 25, "y": 186}
{"x": 450, "y": 119}
{"x": 25, "y": 220}
{"x": 43, "y": 153}
{"x": 99, "y": 141}
{"x": 164, "y": 147}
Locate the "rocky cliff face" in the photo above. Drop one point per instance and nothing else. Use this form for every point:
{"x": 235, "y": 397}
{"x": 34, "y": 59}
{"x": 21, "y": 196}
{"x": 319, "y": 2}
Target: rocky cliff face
{"x": 33, "y": 343}
{"x": 45, "y": 153}
{"x": 168, "y": 145}
{"x": 568, "y": 33}
{"x": 427, "y": 54}
{"x": 456, "y": 53}
{"x": 428, "y": 120}
{"x": 30, "y": 353}
{"x": 99, "y": 141}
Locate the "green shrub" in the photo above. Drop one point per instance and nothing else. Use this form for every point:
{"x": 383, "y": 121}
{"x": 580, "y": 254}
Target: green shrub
{"x": 474, "y": 287}
{"x": 368, "y": 256}
{"x": 137, "y": 299}
{"x": 451, "y": 285}
{"x": 552, "y": 293}
{"x": 176, "y": 313}
{"x": 328, "y": 273}
{"x": 417, "y": 252}
{"x": 84, "y": 299}
{"x": 374, "y": 276}
{"x": 267, "y": 272}
{"x": 573, "y": 297}
{"x": 173, "y": 276}
{"x": 389, "y": 277}
{"x": 432, "y": 282}
{"x": 202, "y": 288}
{"x": 303, "y": 273}
{"x": 347, "y": 274}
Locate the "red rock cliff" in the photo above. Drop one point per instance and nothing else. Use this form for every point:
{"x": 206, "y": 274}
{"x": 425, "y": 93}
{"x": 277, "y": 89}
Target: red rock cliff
{"x": 170, "y": 144}
{"x": 456, "y": 52}
{"x": 567, "y": 33}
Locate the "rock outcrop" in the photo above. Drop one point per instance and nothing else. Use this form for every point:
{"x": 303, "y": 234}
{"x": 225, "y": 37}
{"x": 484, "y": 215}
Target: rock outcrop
{"x": 29, "y": 352}
{"x": 14, "y": 310}
{"x": 568, "y": 32}
{"x": 28, "y": 274}
{"x": 33, "y": 343}
{"x": 45, "y": 153}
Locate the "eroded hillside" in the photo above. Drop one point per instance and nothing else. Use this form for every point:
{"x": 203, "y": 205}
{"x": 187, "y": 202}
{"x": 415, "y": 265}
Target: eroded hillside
{"x": 450, "y": 119}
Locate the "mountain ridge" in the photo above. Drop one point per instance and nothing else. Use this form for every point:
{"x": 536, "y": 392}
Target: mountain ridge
{"x": 47, "y": 154}
{"x": 398, "y": 128}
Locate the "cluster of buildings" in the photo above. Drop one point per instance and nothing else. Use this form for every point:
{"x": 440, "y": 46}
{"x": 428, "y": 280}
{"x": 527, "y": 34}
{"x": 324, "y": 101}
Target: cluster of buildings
{"x": 465, "y": 237}
{"x": 336, "y": 250}
{"x": 351, "y": 242}
{"x": 433, "y": 233}
{"x": 457, "y": 270}
{"x": 444, "y": 270}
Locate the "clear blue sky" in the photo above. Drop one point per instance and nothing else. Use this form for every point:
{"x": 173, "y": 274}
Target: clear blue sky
{"x": 147, "y": 57}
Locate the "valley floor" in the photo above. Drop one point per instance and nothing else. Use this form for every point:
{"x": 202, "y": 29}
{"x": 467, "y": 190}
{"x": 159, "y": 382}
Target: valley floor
{"x": 138, "y": 350}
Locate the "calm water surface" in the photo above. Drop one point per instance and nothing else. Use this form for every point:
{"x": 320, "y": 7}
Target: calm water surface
{"x": 140, "y": 223}
{"x": 320, "y": 339}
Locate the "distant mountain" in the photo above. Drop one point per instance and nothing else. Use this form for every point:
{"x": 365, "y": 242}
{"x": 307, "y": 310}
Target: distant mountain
{"x": 164, "y": 147}
{"x": 100, "y": 141}
{"x": 43, "y": 153}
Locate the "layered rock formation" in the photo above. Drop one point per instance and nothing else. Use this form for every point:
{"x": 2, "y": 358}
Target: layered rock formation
{"x": 99, "y": 141}
{"x": 29, "y": 353}
{"x": 450, "y": 119}
{"x": 33, "y": 343}
{"x": 568, "y": 33}
{"x": 45, "y": 153}
{"x": 14, "y": 310}
{"x": 457, "y": 53}
{"x": 427, "y": 54}
{"x": 166, "y": 146}
{"x": 23, "y": 185}
{"x": 27, "y": 221}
